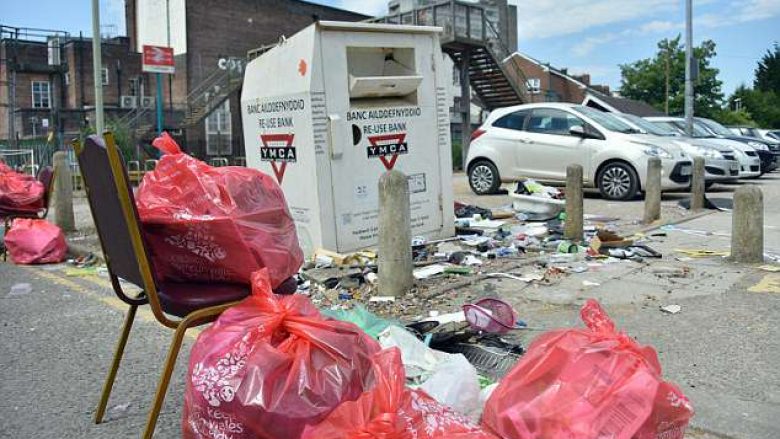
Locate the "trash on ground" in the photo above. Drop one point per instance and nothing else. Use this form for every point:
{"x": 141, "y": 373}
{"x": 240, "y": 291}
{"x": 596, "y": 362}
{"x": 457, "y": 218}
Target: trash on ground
{"x": 272, "y": 365}
{"x": 20, "y": 289}
{"x": 432, "y": 371}
{"x": 490, "y": 315}
{"x": 671, "y": 309}
{"x": 392, "y": 410}
{"x": 35, "y": 241}
{"x": 19, "y": 192}
{"x": 428, "y": 271}
{"x": 770, "y": 268}
{"x": 207, "y": 223}
{"x": 361, "y": 317}
{"x": 702, "y": 253}
{"x": 578, "y": 364}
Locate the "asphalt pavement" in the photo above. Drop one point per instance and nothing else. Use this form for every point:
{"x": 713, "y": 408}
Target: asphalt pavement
{"x": 57, "y": 336}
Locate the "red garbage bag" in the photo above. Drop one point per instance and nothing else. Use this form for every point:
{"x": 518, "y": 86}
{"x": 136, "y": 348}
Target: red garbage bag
{"x": 35, "y": 241}
{"x": 390, "y": 410}
{"x": 215, "y": 224}
{"x": 19, "y": 191}
{"x": 587, "y": 383}
{"x": 271, "y": 365}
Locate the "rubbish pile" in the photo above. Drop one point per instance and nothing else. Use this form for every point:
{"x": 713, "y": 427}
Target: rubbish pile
{"x": 19, "y": 192}
{"x": 35, "y": 241}
{"x": 275, "y": 367}
{"x": 215, "y": 224}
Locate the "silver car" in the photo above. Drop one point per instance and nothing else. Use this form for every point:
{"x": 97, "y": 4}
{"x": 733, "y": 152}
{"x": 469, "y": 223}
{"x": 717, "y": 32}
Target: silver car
{"x": 720, "y": 163}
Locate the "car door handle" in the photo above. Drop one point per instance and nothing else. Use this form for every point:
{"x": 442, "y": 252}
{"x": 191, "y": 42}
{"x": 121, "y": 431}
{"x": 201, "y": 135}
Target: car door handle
{"x": 524, "y": 140}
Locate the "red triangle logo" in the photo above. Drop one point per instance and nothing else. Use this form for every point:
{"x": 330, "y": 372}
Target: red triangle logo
{"x": 391, "y": 138}
{"x": 281, "y": 166}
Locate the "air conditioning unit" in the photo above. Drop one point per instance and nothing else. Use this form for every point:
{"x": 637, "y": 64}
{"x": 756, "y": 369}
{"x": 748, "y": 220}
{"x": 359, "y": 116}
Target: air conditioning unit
{"x": 147, "y": 102}
{"x": 128, "y": 101}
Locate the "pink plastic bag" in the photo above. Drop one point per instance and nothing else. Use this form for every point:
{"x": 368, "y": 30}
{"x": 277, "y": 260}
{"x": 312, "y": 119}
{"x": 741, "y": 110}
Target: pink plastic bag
{"x": 271, "y": 365}
{"x": 19, "y": 191}
{"x": 390, "y": 410}
{"x": 35, "y": 241}
{"x": 215, "y": 224}
{"x": 587, "y": 383}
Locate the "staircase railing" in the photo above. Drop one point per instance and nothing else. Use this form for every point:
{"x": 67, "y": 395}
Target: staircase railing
{"x": 211, "y": 92}
{"x": 503, "y": 54}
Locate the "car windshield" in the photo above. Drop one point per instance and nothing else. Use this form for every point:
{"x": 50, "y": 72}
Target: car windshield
{"x": 715, "y": 127}
{"x": 649, "y": 127}
{"x": 698, "y": 130}
{"x": 606, "y": 120}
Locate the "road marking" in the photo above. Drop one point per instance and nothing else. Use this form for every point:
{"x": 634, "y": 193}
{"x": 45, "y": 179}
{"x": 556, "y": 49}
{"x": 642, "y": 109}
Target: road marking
{"x": 144, "y": 313}
{"x": 768, "y": 284}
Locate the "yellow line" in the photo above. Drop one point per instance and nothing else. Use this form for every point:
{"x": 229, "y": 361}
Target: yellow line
{"x": 143, "y": 313}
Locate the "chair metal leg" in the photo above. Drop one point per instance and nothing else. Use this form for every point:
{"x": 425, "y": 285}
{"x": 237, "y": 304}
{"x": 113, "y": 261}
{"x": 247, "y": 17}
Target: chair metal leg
{"x": 165, "y": 379}
{"x": 120, "y": 349}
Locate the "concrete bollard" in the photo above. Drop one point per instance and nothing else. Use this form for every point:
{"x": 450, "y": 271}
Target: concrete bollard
{"x": 395, "y": 235}
{"x": 653, "y": 190}
{"x": 747, "y": 225}
{"x": 697, "y": 184}
{"x": 574, "y": 215}
{"x": 62, "y": 196}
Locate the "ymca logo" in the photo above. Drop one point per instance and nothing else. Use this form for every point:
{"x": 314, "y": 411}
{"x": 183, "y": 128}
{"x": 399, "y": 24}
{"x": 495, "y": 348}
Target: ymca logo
{"x": 279, "y": 150}
{"x": 387, "y": 145}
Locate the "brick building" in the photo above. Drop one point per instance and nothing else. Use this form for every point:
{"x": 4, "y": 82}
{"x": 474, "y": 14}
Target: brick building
{"x": 48, "y": 85}
{"x": 545, "y": 83}
{"x": 204, "y": 36}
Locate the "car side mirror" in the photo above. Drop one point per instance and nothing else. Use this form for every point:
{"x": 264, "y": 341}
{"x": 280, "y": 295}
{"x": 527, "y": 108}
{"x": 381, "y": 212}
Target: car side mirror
{"x": 579, "y": 131}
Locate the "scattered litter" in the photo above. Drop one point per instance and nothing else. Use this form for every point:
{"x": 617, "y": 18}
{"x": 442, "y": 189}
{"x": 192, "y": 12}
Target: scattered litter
{"x": 528, "y": 278}
{"x": 360, "y": 316}
{"x": 381, "y": 299}
{"x": 471, "y": 260}
{"x": 119, "y": 409}
{"x": 702, "y": 253}
{"x": 457, "y": 270}
{"x": 428, "y": 271}
{"x": 680, "y": 272}
{"x": 671, "y": 309}
{"x": 490, "y": 315}
{"x": 20, "y": 289}
{"x": 587, "y": 283}
{"x": 770, "y": 268}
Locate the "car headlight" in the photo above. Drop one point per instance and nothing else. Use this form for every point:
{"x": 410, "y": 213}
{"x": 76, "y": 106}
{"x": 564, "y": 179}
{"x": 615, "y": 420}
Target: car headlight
{"x": 759, "y": 145}
{"x": 655, "y": 151}
{"x": 707, "y": 152}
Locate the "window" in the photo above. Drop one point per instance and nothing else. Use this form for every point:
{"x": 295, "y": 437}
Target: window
{"x": 41, "y": 94}
{"x": 134, "y": 86}
{"x": 67, "y": 78}
{"x": 219, "y": 131}
{"x": 513, "y": 121}
{"x": 534, "y": 85}
{"x": 553, "y": 121}
{"x": 104, "y": 76}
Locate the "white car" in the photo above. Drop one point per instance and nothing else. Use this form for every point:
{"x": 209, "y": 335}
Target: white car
{"x": 750, "y": 163}
{"x": 540, "y": 140}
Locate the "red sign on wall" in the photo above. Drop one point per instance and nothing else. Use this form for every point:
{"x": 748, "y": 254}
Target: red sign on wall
{"x": 158, "y": 59}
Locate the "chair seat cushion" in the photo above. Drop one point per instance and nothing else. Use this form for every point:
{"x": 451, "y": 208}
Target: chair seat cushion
{"x": 180, "y": 299}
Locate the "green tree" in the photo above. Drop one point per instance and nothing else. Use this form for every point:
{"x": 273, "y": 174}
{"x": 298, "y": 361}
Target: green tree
{"x": 645, "y": 79}
{"x": 762, "y": 106}
{"x": 768, "y": 72}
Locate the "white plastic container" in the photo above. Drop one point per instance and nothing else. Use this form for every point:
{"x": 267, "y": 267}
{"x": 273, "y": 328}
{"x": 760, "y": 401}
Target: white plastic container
{"x": 332, "y": 108}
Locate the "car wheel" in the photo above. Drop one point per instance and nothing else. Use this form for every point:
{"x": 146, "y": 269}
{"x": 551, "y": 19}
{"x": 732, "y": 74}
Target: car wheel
{"x": 618, "y": 181}
{"x": 484, "y": 178}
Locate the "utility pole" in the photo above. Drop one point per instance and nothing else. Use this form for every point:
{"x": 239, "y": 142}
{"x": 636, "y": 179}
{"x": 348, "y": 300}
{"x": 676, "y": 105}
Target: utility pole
{"x": 170, "y": 77}
{"x": 689, "y": 67}
{"x": 666, "y": 102}
{"x": 97, "y": 67}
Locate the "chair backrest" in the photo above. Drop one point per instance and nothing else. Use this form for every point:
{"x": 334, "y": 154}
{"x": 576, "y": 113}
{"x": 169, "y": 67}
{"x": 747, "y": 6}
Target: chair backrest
{"x": 116, "y": 217}
{"x": 46, "y": 177}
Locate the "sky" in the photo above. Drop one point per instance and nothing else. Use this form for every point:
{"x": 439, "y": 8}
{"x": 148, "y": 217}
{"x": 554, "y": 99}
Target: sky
{"x": 587, "y": 36}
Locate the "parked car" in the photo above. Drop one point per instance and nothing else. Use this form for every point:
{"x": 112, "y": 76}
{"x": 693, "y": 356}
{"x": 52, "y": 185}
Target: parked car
{"x": 758, "y": 133}
{"x": 749, "y": 163}
{"x": 768, "y": 151}
{"x": 720, "y": 163}
{"x": 539, "y": 141}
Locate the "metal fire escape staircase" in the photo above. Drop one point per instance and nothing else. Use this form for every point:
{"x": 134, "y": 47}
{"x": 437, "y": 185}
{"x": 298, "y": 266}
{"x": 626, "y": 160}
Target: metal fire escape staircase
{"x": 476, "y": 47}
{"x": 211, "y": 93}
